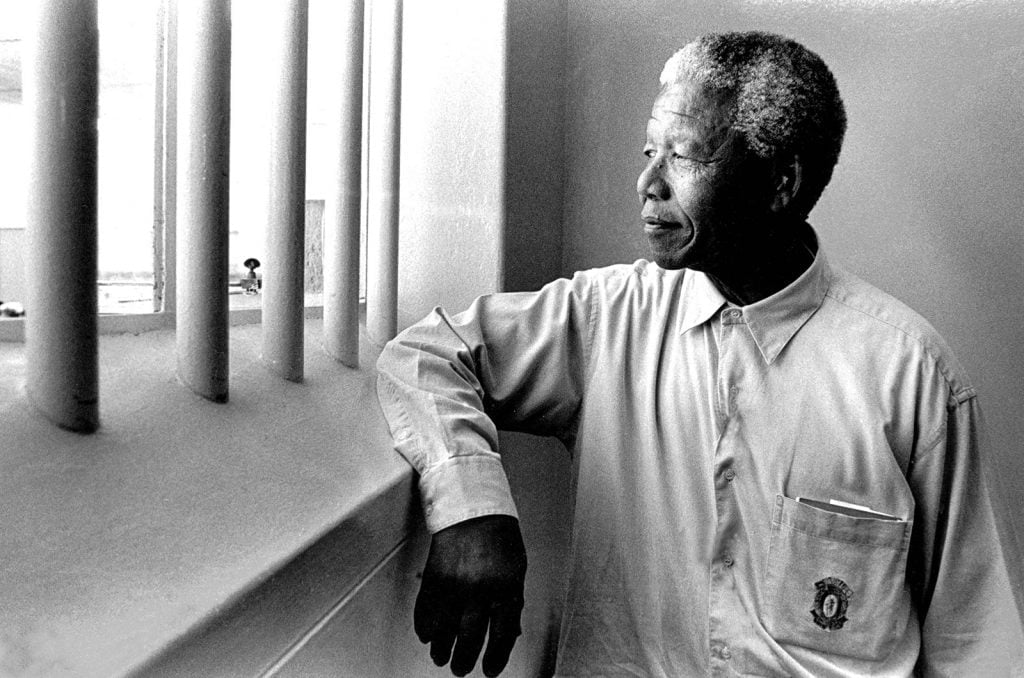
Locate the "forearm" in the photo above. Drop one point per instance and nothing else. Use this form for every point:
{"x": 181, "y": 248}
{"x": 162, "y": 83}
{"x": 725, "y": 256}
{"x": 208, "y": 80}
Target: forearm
{"x": 432, "y": 401}
{"x": 448, "y": 382}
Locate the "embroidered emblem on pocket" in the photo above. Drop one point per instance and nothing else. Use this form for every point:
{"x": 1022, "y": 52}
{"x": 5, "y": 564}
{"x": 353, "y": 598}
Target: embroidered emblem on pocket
{"x": 830, "y": 603}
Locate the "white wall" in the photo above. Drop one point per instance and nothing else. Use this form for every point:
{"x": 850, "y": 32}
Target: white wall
{"x": 453, "y": 154}
{"x": 481, "y": 183}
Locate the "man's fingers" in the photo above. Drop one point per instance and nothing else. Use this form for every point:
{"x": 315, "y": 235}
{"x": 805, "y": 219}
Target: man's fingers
{"x": 424, "y": 615}
{"x": 505, "y": 629}
{"x": 436, "y": 621}
{"x": 441, "y": 646}
{"x": 472, "y": 630}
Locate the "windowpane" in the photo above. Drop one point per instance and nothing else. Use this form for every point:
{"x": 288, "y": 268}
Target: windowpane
{"x": 250, "y": 141}
{"x": 13, "y": 157}
{"x": 126, "y": 162}
{"x": 130, "y": 234}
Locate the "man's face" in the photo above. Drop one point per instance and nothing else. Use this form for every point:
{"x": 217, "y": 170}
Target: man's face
{"x": 701, "y": 192}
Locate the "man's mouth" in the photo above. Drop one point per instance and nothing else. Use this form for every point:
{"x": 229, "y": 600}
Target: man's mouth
{"x": 654, "y": 224}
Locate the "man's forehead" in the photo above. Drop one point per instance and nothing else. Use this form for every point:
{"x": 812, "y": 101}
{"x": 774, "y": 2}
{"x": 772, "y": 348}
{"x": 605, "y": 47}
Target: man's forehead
{"x": 688, "y": 100}
{"x": 689, "y": 113}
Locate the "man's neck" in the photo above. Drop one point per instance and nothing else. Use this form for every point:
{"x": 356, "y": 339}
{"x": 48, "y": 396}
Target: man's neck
{"x": 773, "y": 265}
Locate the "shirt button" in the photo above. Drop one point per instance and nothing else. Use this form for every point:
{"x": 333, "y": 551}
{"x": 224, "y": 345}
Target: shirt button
{"x": 728, "y": 560}
{"x": 726, "y": 654}
{"x": 733, "y": 313}
{"x": 730, "y": 475}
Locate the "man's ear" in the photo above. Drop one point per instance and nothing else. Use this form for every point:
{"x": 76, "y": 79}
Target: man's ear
{"x": 788, "y": 176}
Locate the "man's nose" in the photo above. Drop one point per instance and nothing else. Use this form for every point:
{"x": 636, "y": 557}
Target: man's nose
{"x": 651, "y": 184}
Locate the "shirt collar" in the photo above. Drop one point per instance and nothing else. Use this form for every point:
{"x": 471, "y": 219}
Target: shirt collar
{"x": 774, "y": 320}
{"x": 702, "y": 300}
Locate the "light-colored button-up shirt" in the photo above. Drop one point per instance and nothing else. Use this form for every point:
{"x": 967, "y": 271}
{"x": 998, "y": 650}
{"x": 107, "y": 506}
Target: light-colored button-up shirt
{"x": 787, "y": 488}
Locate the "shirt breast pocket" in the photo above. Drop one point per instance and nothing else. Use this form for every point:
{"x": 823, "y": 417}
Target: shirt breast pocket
{"x": 836, "y": 583}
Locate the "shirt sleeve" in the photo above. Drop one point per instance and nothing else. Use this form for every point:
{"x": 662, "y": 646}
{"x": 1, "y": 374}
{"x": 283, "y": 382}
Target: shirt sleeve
{"x": 959, "y": 571}
{"x": 513, "y": 361}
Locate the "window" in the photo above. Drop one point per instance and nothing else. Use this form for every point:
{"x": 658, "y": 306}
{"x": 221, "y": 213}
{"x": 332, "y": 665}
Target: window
{"x": 133, "y": 247}
{"x": 172, "y": 204}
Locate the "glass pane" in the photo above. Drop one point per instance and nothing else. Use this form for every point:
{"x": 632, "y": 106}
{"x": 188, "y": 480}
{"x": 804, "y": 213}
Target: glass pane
{"x": 13, "y": 159}
{"x": 128, "y": 60}
{"x": 250, "y": 140}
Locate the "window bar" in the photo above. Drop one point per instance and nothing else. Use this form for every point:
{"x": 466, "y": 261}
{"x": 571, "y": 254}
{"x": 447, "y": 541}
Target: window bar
{"x": 62, "y": 89}
{"x": 383, "y": 170}
{"x": 169, "y": 175}
{"x": 284, "y": 272}
{"x": 342, "y": 218}
{"x": 159, "y": 95}
{"x": 204, "y": 91}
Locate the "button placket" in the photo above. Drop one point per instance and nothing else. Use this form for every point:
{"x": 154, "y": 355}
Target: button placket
{"x": 731, "y": 368}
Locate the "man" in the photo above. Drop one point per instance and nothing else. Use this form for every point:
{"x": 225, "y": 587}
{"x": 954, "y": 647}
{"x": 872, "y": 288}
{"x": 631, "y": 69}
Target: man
{"x": 775, "y": 464}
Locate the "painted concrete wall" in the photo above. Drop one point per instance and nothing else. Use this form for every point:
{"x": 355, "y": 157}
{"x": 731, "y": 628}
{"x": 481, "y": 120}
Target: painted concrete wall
{"x": 926, "y": 202}
{"x": 481, "y": 183}
{"x": 534, "y": 133}
{"x": 453, "y": 154}
{"x": 118, "y": 544}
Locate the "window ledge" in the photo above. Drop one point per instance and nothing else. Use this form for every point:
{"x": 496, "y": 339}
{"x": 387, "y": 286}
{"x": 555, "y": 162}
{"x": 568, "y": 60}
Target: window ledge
{"x": 160, "y": 531}
{"x": 13, "y": 329}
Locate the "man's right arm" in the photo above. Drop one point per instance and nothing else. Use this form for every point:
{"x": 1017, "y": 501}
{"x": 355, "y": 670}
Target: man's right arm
{"x": 446, "y": 385}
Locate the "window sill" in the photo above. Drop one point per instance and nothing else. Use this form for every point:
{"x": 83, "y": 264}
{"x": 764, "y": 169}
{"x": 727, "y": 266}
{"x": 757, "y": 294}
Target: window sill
{"x": 13, "y": 329}
{"x": 163, "y": 529}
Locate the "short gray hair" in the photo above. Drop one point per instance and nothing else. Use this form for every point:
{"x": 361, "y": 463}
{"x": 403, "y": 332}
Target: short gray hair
{"x": 785, "y": 100}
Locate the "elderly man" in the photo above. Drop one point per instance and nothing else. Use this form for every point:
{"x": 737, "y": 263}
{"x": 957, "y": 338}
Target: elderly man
{"x": 775, "y": 464}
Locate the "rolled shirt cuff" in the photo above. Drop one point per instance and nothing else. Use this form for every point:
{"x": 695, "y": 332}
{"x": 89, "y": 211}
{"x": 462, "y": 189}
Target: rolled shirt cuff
{"x": 464, "y": 487}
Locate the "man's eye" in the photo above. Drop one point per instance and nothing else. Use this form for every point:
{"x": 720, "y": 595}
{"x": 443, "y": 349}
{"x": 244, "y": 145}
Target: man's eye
{"x": 685, "y": 159}
{"x": 649, "y": 152}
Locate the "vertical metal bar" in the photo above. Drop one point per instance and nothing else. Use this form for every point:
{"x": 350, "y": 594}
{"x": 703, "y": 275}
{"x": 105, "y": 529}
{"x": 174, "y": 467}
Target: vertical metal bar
{"x": 283, "y": 277}
{"x": 342, "y": 223}
{"x": 170, "y": 157}
{"x": 383, "y": 170}
{"x": 62, "y": 90}
{"x": 204, "y": 88}
{"x": 159, "y": 94}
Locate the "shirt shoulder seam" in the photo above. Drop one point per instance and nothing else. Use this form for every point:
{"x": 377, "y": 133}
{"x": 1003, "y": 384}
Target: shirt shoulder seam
{"x": 957, "y": 395}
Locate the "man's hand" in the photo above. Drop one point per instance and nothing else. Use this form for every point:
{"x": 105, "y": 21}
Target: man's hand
{"x": 473, "y": 578}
